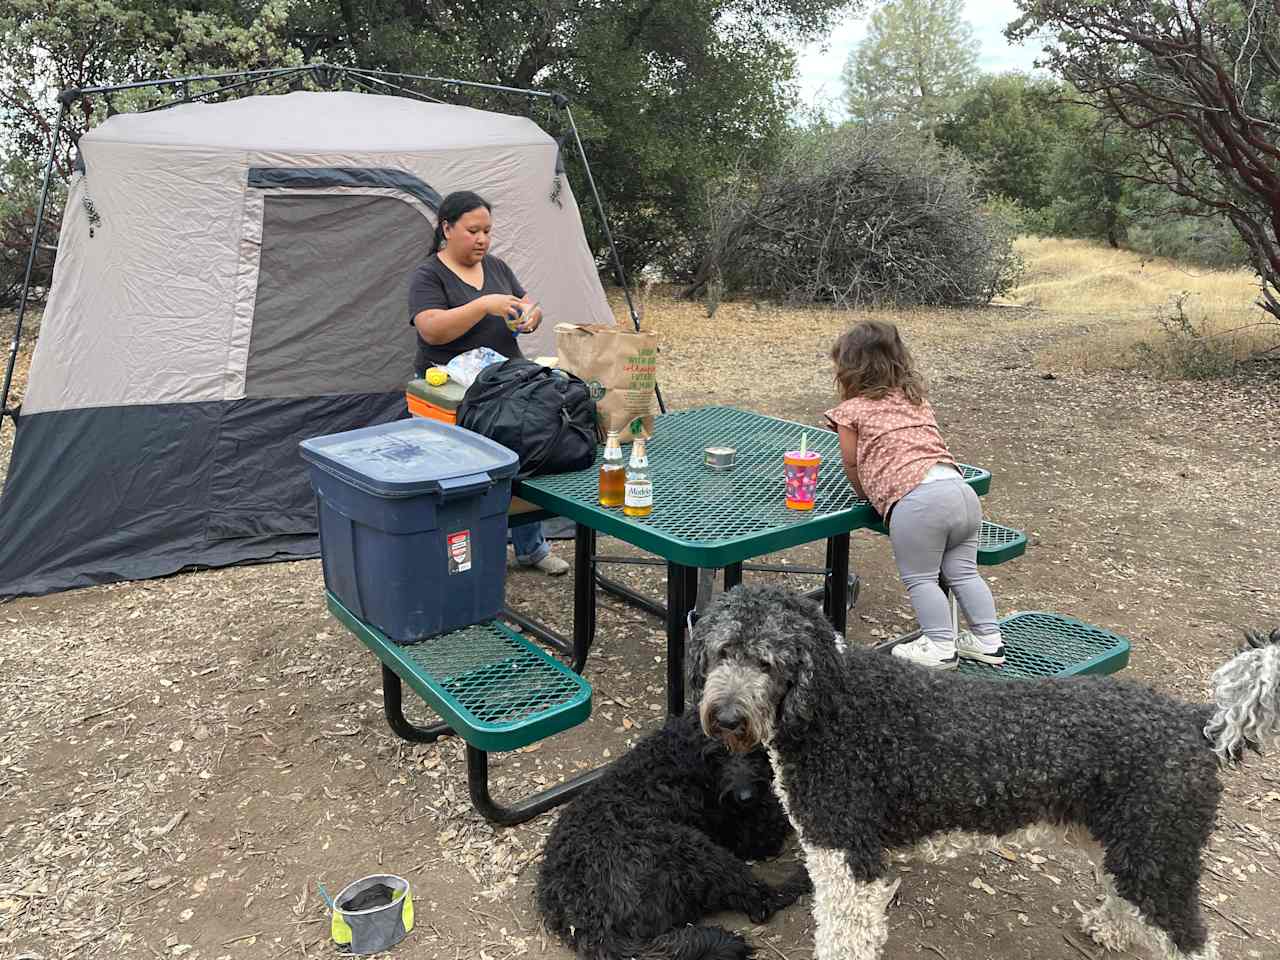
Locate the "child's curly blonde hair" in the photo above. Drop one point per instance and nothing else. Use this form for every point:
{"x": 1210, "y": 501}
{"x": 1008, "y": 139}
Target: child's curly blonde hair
{"x": 871, "y": 360}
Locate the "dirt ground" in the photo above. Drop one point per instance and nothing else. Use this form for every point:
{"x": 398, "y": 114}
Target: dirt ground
{"x": 183, "y": 760}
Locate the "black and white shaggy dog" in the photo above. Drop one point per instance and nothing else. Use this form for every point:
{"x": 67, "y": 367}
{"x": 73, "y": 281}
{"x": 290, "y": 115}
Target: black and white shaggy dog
{"x": 659, "y": 842}
{"x": 871, "y": 753}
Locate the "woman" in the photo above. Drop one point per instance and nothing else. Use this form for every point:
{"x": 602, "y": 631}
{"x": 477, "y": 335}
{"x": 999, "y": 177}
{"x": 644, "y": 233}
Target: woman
{"x": 461, "y": 299}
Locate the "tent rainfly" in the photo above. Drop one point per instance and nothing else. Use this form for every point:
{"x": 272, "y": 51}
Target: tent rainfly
{"x": 232, "y": 278}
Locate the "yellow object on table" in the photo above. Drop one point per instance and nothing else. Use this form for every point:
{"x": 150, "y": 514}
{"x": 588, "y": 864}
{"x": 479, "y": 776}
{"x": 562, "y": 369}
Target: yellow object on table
{"x": 437, "y": 377}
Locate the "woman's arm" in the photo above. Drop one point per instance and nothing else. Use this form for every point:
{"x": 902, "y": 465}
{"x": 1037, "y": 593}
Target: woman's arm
{"x": 849, "y": 455}
{"x": 439, "y": 326}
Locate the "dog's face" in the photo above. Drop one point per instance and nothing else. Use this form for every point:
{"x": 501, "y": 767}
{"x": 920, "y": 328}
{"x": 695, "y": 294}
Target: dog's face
{"x": 746, "y": 816}
{"x": 743, "y": 690}
{"x": 744, "y": 780}
{"x": 753, "y": 646}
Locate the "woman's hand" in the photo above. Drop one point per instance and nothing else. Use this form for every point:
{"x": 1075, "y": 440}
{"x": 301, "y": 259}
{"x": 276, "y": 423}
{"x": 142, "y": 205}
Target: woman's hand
{"x": 532, "y": 317}
{"x": 501, "y": 305}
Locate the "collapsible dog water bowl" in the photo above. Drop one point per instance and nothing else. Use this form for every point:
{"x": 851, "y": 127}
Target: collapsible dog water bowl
{"x": 374, "y": 928}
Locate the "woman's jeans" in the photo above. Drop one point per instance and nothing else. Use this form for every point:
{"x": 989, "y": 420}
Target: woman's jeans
{"x": 935, "y": 528}
{"x": 529, "y": 543}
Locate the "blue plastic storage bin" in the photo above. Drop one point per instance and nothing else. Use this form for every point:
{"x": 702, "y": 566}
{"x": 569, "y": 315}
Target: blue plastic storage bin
{"x": 413, "y": 524}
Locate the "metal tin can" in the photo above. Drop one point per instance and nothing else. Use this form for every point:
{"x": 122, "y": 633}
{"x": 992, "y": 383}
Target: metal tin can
{"x": 720, "y": 458}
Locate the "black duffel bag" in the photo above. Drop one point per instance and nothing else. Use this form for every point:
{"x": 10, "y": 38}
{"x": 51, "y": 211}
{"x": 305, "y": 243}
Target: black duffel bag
{"x": 546, "y": 416}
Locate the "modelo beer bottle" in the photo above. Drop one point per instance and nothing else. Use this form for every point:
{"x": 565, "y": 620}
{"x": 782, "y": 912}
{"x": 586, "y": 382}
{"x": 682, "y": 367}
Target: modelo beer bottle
{"x": 638, "y": 498}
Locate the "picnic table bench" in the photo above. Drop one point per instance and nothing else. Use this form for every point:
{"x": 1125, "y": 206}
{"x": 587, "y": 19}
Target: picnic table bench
{"x": 1037, "y": 644}
{"x": 491, "y": 687}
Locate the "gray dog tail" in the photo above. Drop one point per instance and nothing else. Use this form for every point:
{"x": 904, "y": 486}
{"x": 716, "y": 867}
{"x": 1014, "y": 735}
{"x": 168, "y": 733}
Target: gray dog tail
{"x": 1246, "y": 696}
{"x": 683, "y": 943}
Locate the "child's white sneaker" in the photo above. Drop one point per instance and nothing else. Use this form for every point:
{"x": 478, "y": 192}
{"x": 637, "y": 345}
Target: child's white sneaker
{"x": 984, "y": 649}
{"x": 927, "y": 653}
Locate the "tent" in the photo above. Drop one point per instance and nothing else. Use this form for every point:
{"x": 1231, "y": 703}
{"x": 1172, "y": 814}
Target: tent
{"x": 231, "y": 278}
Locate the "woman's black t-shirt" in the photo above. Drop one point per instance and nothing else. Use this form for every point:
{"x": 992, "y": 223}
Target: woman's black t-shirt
{"x": 435, "y": 287}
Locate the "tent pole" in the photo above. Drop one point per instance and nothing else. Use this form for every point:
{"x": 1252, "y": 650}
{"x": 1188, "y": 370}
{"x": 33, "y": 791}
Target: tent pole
{"x": 177, "y": 82}
{"x": 450, "y": 82}
{"x": 563, "y": 103}
{"x": 63, "y": 99}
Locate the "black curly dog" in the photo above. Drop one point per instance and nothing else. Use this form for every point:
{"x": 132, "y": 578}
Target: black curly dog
{"x": 870, "y": 753}
{"x": 658, "y": 843}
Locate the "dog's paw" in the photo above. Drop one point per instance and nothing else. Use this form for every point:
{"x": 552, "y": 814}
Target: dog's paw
{"x": 761, "y": 905}
{"x": 782, "y": 899}
{"x": 792, "y": 889}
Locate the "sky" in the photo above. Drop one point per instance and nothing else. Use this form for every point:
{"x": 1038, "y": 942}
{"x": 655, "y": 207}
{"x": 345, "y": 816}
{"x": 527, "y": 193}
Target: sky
{"x": 819, "y": 68}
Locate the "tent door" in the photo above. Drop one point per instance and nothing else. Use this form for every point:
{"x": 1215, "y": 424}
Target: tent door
{"x": 322, "y": 341}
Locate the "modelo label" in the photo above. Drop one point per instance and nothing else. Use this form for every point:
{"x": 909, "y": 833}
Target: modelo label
{"x": 639, "y": 495}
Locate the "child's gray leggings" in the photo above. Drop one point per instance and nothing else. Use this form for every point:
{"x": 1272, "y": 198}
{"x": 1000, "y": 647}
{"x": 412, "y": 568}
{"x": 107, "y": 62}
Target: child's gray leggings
{"x": 935, "y": 527}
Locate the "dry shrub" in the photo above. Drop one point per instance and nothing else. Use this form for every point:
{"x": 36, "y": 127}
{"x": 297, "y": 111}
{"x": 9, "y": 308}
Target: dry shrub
{"x": 860, "y": 216}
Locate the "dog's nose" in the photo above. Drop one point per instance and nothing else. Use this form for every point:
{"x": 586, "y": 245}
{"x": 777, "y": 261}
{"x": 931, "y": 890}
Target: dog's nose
{"x": 731, "y": 719}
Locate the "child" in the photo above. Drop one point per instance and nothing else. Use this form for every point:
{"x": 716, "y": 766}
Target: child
{"x": 895, "y": 457}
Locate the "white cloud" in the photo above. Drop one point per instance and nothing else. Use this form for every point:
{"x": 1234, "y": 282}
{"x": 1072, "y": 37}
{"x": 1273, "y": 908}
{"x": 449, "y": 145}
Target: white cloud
{"x": 818, "y": 65}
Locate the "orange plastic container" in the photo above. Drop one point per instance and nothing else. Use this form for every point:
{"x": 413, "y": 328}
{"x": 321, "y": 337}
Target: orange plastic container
{"x": 434, "y": 403}
{"x": 420, "y": 408}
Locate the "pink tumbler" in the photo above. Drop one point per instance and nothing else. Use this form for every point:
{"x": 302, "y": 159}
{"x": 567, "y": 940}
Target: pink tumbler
{"x": 802, "y": 478}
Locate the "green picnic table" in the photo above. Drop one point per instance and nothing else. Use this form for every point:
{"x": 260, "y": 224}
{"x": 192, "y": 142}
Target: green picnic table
{"x": 499, "y": 691}
{"x": 711, "y": 519}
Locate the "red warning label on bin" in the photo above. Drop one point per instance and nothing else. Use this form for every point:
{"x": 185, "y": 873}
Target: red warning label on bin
{"x": 459, "y": 551}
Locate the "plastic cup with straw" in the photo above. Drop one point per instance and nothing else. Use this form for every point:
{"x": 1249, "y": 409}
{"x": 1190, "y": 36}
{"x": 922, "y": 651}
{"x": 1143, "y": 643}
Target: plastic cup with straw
{"x": 800, "y": 469}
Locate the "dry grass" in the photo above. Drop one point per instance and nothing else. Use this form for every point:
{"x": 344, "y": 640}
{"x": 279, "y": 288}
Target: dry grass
{"x": 724, "y": 354}
{"x": 1084, "y": 307}
{"x": 1143, "y": 312}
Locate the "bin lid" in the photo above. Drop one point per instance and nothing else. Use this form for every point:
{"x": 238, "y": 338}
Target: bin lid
{"x": 447, "y": 396}
{"x": 408, "y": 458}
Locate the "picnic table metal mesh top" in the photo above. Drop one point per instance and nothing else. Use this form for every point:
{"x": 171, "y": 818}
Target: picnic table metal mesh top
{"x": 1051, "y": 645}
{"x": 484, "y": 679}
{"x": 711, "y": 518}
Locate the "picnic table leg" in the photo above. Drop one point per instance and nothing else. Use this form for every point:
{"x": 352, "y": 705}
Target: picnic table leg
{"x": 835, "y": 594}
{"x": 732, "y": 575}
{"x": 625, "y": 593}
{"x": 393, "y": 710}
{"x": 584, "y": 594}
{"x": 529, "y": 807}
{"x": 682, "y": 593}
{"x": 538, "y": 630}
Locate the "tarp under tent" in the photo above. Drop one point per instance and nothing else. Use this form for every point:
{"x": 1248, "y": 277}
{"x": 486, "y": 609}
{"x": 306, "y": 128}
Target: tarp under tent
{"x": 232, "y": 278}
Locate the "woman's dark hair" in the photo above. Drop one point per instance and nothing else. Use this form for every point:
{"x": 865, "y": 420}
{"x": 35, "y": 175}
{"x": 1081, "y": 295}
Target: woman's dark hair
{"x": 452, "y": 208}
{"x": 871, "y": 360}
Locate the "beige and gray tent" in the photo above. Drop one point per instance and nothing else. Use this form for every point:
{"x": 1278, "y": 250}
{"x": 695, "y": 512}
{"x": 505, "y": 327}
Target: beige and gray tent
{"x": 232, "y": 278}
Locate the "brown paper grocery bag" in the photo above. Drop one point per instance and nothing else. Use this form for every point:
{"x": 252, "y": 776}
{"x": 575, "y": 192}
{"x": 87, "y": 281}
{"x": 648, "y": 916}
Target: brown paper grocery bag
{"x": 620, "y": 367}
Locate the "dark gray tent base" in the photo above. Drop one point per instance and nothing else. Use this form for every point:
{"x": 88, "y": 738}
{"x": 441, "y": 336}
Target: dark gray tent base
{"x": 200, "y": 485}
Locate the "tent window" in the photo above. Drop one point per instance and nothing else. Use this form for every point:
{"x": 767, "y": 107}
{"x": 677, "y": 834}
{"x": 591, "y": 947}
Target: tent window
{"x": 309, "y": 178}
{"x": 330, "y": 315}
